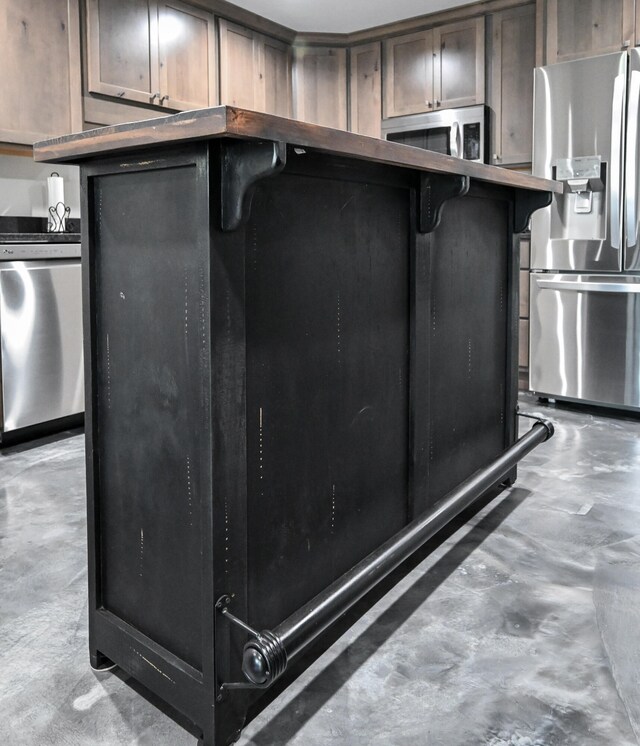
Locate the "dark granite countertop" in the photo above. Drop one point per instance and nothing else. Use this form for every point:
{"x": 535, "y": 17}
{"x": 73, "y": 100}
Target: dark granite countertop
{"x": 39, "y": 238}
{"x": 27, "y": 229}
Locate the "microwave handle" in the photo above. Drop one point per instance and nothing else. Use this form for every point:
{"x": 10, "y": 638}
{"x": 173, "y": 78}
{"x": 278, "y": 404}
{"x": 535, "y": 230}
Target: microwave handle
{"x": 455, "y": 146}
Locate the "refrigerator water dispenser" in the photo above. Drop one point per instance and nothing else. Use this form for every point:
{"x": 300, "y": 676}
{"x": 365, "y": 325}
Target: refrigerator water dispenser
{"x": 581, "y": 211}
{"x": 583, "y": 177}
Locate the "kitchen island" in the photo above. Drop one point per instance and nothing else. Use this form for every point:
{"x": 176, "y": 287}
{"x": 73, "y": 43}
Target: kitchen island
{"x": 301, "y": 356}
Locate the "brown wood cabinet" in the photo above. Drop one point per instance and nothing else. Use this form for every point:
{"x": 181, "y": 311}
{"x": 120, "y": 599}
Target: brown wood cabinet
{"x": 365, "y": 90}
{"x": 437, "y": 68}
{"x": 408, "y": 78}
{"x": 255, "y": 70}
{"x": 40, "y": 86}
{"x": 458, "y": 67}
{"x": 512, "y": 56}
{"x": 187, "y": 56}
{"x": 122, "y": 49}
{"x": 160, "y": 53}
{"x": 238, "y": 66}
{"x": 274, "y": 61}
{"x": 320, "y": 75}
{"x": 584, "y": 28}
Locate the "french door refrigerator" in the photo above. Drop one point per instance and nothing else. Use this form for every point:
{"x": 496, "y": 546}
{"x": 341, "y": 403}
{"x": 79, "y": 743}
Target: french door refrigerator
{"x": 585, "y": 247}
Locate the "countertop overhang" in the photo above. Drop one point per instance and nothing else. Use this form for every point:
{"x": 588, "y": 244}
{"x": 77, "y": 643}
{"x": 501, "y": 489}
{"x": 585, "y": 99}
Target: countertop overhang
{"x": 229, "y": 121}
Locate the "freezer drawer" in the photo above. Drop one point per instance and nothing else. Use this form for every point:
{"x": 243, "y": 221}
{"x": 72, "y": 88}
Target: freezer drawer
{"x": 585, "y": 338}
{"x": 41, "y": 342}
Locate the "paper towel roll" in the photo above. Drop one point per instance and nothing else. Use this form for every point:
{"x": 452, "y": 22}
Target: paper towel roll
{"x": 55, "y": 200}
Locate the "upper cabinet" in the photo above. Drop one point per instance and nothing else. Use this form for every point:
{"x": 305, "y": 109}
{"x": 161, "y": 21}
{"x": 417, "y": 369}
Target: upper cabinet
{"x": 584, "y": 28}
{"x": 274, "y": 62}
{"x": 438, "y": 68}
{"x": 321, "y": 86}
{"x": 366, "y": 90}
{"x": 160, "y": 53}
{"x": 458, "y": 64}
{"x": 408, "y": 74}
{"x": 122, "y": 49}
{"x": 512, "y": 58}
{"x": 238, "y": 66}
{"x": 40, "y": 86}
{"x": 186, "y": 56}
{"x": 255, "y": 70}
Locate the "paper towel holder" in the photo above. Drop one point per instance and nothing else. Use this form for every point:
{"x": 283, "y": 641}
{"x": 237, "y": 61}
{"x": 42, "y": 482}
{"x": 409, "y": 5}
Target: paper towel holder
{"x": 58, "y": 211}
{"x": 58, "y": 216}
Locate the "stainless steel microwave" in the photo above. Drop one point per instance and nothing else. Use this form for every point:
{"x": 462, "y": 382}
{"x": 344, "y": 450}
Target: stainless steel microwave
{"x": 462, "y": 133}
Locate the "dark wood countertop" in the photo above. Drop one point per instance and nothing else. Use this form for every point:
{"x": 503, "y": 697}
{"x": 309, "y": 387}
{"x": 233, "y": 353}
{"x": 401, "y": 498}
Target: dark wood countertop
{"x": 221, "y": 121}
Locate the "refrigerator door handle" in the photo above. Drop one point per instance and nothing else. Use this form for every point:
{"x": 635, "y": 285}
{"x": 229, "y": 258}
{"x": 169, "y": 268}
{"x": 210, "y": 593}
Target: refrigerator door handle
{"x": 631, "y": 169}
{"x": 615, "y": 190}
{"x": 589, "y": 286}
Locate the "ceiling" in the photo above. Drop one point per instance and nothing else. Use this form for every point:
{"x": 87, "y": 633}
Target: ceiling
{"x": 342, "y": 16}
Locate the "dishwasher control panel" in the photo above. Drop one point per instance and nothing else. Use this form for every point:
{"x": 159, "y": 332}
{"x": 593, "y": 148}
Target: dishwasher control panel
{"x": 19, "y": 252}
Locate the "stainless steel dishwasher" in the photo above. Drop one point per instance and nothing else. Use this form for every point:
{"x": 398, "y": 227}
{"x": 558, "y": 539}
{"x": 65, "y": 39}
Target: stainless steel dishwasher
{"x": 41, "y": 360}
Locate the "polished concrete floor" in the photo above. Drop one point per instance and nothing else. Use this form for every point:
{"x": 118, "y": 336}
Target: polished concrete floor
{"x": 521, "y": 629}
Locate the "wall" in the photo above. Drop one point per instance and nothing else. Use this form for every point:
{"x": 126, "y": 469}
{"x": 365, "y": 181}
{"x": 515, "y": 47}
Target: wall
{"x": 23, "y": 186}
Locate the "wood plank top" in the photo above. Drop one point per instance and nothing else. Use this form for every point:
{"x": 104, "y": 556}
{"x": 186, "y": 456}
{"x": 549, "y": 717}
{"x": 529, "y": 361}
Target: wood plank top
{"x": 228, "y": 121}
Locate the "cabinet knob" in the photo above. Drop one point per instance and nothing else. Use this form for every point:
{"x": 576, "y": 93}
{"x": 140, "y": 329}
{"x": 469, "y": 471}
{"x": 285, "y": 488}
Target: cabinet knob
{"x": 429, "y": 104}
{"x": 496, "y": 157}
{"x": 437, "y": 103}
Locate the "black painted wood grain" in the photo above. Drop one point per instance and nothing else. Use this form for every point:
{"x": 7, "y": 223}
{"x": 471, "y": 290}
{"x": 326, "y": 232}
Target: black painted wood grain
{"x": 327, "y": 270}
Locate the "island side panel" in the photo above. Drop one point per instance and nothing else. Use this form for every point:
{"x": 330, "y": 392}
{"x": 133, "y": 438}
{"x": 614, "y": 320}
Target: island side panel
{"x": 328, "y": 340}
{"x": 147, "y": 272}
{"x": 471, "y": 367}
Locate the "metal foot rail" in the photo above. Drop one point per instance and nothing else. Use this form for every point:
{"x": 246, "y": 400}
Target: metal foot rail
{"x": 265, "y": 657}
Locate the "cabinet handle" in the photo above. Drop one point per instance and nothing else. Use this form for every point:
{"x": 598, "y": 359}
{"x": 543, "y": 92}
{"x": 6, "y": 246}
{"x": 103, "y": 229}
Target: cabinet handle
{"x": 164, "y": 98}
{"x": 154, "y": 96}
{"x": 429, "y": 104}
{"x": 437, "y": 103}
{"x": 496, "y": 157}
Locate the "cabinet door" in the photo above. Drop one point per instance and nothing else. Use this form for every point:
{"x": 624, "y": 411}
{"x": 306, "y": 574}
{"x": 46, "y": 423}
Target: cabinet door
{"x": 40, "y": 87}
{"x": 122, "y": 49}
{"x": 512, "y": 63}
{"x": 408, "y": 87}
{"x": 321, "y": 86}
{"x": 366, "y": 90}
{"x": 238, "y": 66}
{"x": 186, "y": 52}
{"x": 585, "y": 28}
{"x": 275, "y": 77}
{"x": 458, "y": 74}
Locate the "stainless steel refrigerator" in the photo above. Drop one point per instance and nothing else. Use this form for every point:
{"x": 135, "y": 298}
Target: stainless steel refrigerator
{"x": 585, "y": 248}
